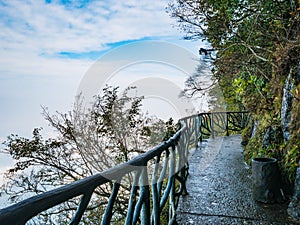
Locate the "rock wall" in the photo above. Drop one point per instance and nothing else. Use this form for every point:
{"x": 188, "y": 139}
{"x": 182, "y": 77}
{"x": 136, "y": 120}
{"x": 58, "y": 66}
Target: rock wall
{"x": 287, "y": 101}
{"x": 294, "y": 206}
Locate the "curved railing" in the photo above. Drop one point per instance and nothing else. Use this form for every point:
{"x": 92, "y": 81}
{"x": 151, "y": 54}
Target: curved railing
{"x": 217, "y": 123}
{"x": 158, "y": 177}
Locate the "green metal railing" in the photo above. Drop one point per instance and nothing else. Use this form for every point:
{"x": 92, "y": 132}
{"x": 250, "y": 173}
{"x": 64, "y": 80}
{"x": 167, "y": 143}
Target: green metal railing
{"x": 158, "y": 177}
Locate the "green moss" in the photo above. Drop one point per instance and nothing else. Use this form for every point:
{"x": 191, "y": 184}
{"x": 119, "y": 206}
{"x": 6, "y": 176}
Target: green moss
{"x": 288, "y": 154}
{"x": 247, "y": 132}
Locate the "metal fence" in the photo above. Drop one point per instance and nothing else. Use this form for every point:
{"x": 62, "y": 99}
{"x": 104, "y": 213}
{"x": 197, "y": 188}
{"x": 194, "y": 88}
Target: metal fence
{"x": 217, "y": 123}
{"x": 158, "y": 177}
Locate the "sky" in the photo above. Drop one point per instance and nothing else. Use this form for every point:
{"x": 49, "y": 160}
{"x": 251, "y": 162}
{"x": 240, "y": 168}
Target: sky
{"x": 47, "y": 47}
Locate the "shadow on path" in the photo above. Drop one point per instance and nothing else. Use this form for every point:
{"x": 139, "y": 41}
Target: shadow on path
{"x": 220, "y": 189}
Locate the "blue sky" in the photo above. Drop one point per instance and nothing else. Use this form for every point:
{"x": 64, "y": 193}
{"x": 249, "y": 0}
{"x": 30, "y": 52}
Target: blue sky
{"x": 48, "y": 45}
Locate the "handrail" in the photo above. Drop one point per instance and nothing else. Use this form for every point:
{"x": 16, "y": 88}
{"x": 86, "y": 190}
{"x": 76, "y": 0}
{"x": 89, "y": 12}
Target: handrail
{"x": 213, "y": 124}
{"x": 170, "y": 160}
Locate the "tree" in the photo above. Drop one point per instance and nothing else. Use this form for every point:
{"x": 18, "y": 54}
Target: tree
{"x": 249, "y": 36}
{"x": 89, "y": 140}
{"x": 258, "y": 48}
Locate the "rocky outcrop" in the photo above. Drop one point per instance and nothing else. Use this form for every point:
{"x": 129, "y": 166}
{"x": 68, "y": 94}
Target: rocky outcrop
{"x": 287, "y": 101}
{"x": 294, "y": 206}
{"x": 255, "y": 125}
{"x": 272, "y": 136}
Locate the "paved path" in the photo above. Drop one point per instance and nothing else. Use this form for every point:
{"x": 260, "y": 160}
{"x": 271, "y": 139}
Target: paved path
{"x": 219, "y": 187}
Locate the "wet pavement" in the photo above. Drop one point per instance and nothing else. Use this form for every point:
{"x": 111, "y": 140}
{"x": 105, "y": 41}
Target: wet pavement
{"x": 220, "y": 189}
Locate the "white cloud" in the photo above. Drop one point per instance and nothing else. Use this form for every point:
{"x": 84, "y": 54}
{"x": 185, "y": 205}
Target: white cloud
{"x": 53, "y": 27}
{"x": 33, "y": 33}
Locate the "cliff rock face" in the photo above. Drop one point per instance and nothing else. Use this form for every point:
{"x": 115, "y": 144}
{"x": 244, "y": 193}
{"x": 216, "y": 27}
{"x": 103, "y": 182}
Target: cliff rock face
{"x": 287, "y": 101}
{"x": 294, "y": 206}
{"x": 255, "y": 125}
{"x": 273, "y": 135}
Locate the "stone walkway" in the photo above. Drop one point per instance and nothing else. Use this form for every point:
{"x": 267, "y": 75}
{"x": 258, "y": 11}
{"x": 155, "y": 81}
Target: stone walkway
{"x": 219, "y": 187}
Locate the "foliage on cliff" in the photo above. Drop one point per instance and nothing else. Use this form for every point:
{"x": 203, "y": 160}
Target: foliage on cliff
{"x": 258, "y": 47}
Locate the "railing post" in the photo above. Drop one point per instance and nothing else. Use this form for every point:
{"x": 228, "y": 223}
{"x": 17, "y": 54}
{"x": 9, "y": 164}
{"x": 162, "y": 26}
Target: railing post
{"x": 155, "y": 195}
{"x": 243, "y": 120}
{"x": 212, "y": 125}
{"x": 196, "y": 131}
{"x": 227, "y": 128}
{"x": 85, "y": 199}
{"x": 200, "y": 127}
{"x": 172, "y": 213}
{"x": 145, "y": 194}
{"x": 109, "y": 209}
{"x": 132, "y": 199}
